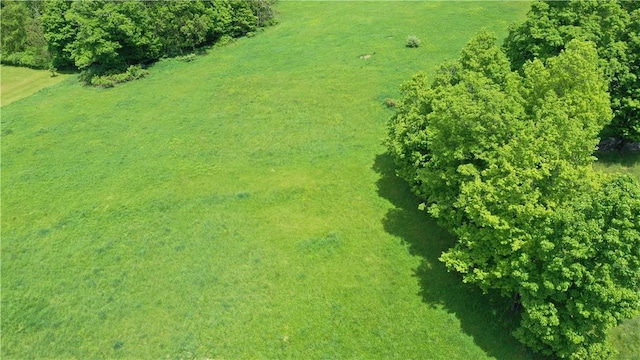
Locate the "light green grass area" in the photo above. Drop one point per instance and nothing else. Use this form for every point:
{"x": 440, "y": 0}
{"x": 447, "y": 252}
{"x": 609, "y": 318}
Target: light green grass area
{"x": 240, "y": 206}
{"x": 626, "y": 339}
{"x": 18, "y": 82}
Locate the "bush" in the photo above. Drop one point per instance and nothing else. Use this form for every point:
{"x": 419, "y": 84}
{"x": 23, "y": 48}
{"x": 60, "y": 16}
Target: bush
{"x": 263, "y": 11}
{"x": 390, "y": 103}
{"x": 224, "y": 40}
{"x": 413, "y": 41}
{"x": 134, "y": 72}
{"x": 26, "y": 59}
{"x": 187, "y": 58}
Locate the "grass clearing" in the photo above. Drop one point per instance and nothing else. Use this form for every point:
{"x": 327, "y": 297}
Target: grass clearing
{"x": 626, "y": 339}
{"x": 18, "y": 82}
{"x": 240, "y": 205}
{"x": 626, "y": 162}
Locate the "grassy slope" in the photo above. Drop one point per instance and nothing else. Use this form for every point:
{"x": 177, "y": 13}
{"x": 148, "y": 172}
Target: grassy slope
{"x": 17, "y": 82}
{"x": 238, "y": 206}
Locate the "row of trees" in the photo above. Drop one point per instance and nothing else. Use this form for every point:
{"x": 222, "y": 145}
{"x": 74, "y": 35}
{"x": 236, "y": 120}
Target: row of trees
{"x": 503, "y": 159}
{"x": 111, "y": 35}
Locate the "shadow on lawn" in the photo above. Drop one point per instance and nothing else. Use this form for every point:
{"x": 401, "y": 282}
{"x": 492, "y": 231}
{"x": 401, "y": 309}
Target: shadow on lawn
{"x": 622, "y": 158}
{"x": 487, "y": 318}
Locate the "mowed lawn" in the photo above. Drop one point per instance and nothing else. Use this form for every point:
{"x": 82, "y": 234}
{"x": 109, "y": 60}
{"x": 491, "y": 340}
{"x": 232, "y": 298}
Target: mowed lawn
{"x": 18, "y": 82}
{"x": 241, "y": 205}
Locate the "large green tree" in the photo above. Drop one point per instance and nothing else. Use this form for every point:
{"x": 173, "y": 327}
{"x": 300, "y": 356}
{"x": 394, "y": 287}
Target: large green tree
{"x": 22, "y": 41}
{"x": 59, "y": 32}
{"x": 583, "y": 273}
{"x": 613, "y": 25}
{"x": 110, "y": 34}
{"x": 500, "y": 158}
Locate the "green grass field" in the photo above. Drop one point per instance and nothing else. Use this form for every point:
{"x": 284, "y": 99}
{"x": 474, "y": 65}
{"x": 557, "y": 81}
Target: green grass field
{"x": 17, "y": 82}
{"x": 241, "y": 205}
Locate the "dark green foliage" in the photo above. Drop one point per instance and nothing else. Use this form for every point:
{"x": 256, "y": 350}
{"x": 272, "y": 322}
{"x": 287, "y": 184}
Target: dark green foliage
{"x": 407, "y": 138}
{"x": 58, "y": 32}
{"x": 14, "y": 16}
{"x": 133, "y": 72}
{"x": 586, "y": 275}
{"x": 612, "y": 25}
{"x": 109, "y": 36}
{"x": 184, "y": 25}
{"x": 263, "y": 11}
{"x": 504, "y": 161}
{"x": 23, "y": 42}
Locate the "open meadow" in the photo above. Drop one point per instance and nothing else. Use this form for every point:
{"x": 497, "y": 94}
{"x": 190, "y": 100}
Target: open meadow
{"x": 241, "y": 205}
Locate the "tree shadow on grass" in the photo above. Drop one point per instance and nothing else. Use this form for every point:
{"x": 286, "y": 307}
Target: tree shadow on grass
{"x": 485, "y": 317}
{"x": 623, "y": 158}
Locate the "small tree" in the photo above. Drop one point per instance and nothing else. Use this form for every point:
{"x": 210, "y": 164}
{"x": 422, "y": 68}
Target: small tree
{"x": 413, "y": 41}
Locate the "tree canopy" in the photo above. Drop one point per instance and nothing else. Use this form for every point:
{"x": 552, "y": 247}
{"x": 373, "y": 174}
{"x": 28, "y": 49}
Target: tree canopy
{"x": 108, "y": 36}
{"x": 22, "y": 42}
{"x": 612, "y": 25}
{"x": 504, "y": 161}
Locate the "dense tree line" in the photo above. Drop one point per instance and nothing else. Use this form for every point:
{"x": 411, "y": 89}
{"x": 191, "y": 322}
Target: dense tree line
{"x": 503, "y": 159}
{"x": 108, "y": 36}
{"x": 614, "y": 26}
{"x": 22, "y": 41}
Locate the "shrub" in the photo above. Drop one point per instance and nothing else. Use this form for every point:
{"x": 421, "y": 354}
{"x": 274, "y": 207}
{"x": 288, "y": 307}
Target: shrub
{"x": 26, "y": 59}
{"x": 390, "y": 103}
{"x": 187, "y": 58}
{"x": 413, "y": 41}
{"x": 224, "y": 40}
{"x": 134, "y": 72}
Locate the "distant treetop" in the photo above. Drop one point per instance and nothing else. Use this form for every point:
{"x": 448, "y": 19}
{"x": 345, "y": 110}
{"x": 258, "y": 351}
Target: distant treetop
{"x": 614, "y": 26}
